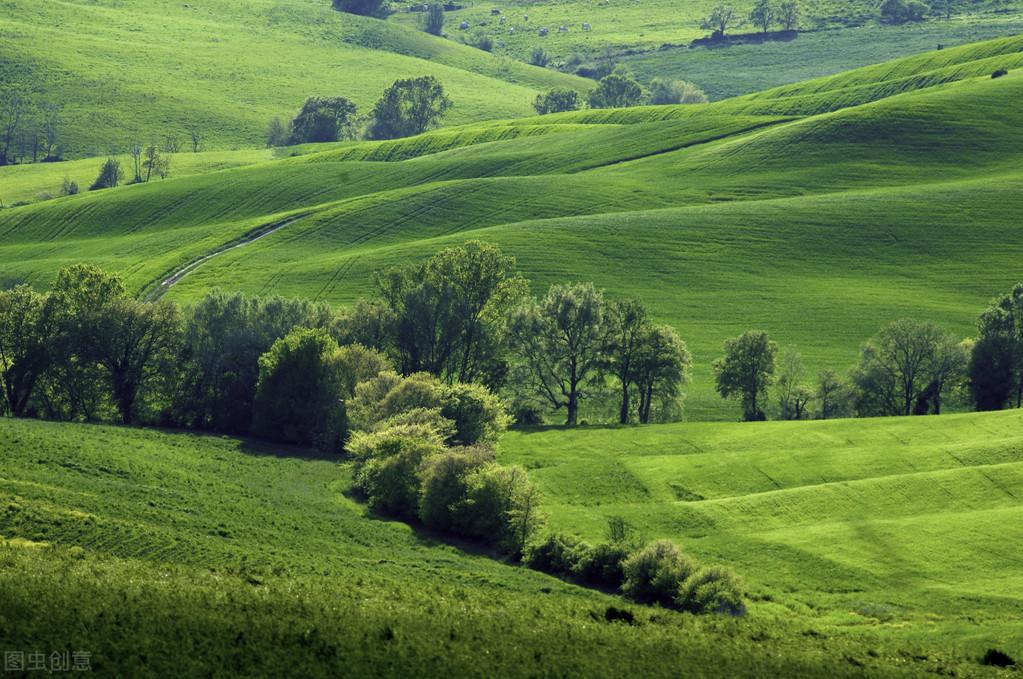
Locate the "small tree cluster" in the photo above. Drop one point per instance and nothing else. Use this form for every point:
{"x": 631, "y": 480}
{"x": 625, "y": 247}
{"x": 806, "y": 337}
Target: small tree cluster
{"x": 369, "y": 8}
{"x": 903, "y": 11}
{"x": 556, "y": 101}
{"x": 764, "y": 14}
{"x": 29, "y": 131}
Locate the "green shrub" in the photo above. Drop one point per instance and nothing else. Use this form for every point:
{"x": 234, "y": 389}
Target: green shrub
{"x": 300, "y": 396}
{"x": 503, "y": 504}
{"x": 603, "y": 565}
{"x": 478, "y": 414}
{"x": 556, "y": 101}
{"x": 712, "y": 590}
{"x": 388, "y": 469}
{"x": 999, "y": 73}
{"x": 444, "y": 488}
{"x": 557, "y": 555}
{"x": 109, "y": 175}
{"x": 655, "y": 573}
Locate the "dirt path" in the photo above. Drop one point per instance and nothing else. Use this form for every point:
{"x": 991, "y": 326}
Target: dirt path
{"x": 251, "y": 237}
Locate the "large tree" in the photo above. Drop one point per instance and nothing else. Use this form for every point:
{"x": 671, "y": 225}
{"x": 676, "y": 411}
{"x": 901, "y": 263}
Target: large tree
{"x": 721, "y": 18}
{"x": 13, "y": 109}
{"x": 762, "y": 15}
{"x": 660, "y": 368}
{"x": 747, "y": 370}
{"x": 24, "y": 346}
{"x": 792, "y": 392}
{"x": 906, "y": 368}
{"x": 408, "y": 107}
{"x": 627, "y": 328}
{"x": 996, "y": 361}
{"x": 558, "y": 341}
{"x": 616, "y": 90}
{"x": 323, "y": 119}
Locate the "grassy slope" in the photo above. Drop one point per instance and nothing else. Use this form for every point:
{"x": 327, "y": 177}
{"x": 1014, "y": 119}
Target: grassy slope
{"x": 904, "y": 527}
{"x": 146, "y": 69}
{"x": 163, "y": 552}
{"x": 748, "y": 212}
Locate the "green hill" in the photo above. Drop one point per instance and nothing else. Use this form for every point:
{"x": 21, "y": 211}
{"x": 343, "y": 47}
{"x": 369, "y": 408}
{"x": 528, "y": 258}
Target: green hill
{"x": 817, "y": 211}
{"x": 160, "y": 552}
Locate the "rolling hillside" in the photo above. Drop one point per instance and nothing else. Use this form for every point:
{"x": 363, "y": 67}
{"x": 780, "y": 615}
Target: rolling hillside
{"x": 162, "y": 551}
{"x": 817, "y": 211}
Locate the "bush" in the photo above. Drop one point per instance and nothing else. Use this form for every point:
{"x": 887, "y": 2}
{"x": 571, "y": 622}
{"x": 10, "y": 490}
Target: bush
{"x": 483, "y": 42}
{"x": 433, "y": 19}
{"x": 556, "y": 101}
{"x": 712, "y": 590}
{"x": 603, "y": 565}
{"x": 323, "y": 119}
{"x": 299, "y": 395}
{"x": 388, "y": 394}
{"x": 388, "y": 469}
{"x": 999, "y": 73}
{"x": 444, "y": 489}
{"x": 617, "y": 90}
{"x": 539, "y": 57}
{"x": 362, "y": 7}
{"x": 675, "y": 92}
{"x": 69, "y": 187}
{"x": 359, "y": 364}
{"x": 503, "y": 506}
{"x": 478, "y": 414}
{"x": 558, "y": 554}
{"x": 655, "y": 573}
{"x": 109, "y": 175}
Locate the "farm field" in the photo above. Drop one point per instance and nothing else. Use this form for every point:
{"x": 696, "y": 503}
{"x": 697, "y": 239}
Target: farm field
{"x": 781, "y": 210}
{"x": 145, "y": 529}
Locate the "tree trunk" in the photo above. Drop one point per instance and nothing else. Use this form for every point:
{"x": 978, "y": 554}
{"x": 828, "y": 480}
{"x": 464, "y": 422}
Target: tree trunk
{"x": 623, "y": 413}
{"x": 573, "y": 408}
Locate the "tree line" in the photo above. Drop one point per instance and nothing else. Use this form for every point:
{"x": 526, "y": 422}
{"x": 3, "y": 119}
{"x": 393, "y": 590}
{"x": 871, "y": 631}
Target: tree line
{"x": 29, "y": 131}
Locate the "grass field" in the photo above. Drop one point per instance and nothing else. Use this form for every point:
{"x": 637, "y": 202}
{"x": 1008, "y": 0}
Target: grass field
{"x": 816, "y": 211}
{"x": 163, "y": 552}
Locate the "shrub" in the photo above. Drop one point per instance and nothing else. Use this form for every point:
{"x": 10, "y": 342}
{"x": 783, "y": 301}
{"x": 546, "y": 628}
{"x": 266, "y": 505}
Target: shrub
{"x": 664, "y": 91}
{"x": 361, "y": 7}
{"x": 483, "y": 42}
{"x": 617, "y": 90}
{"x": 503, "y": 504}
{"x": 388, "y": 469}
{"x": 557, "y": 555}
{"x": 323, "y": 119}
{"x": 433, "y": 20}
{"x": 539, "y": 57}
{"x": 712, "y": 590}
{"x": 995, "y": 658}
{"x": 478, "y": 414}
{"x": 444, "y": 489}
{"x": 299, "y": 395}
{"x": 387, "y": 394}
{"x": 69, "y": 187}
{"x": 603, "y": 565}
{"x": 655, "y": 573}
{"x": 999, "y": 73}
{"x": 556, "y": 101}
{"x": 109, "y": 175}
{"x": 359, "y": 364}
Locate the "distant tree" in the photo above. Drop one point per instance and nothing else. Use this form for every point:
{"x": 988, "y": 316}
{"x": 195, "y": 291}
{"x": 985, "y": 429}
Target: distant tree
{"x": 834, "y": 398}
{"x": 109, "y": 175}
{"x": 433, "y": 20}
{"x": 195, "y": 134}
{"x": 449, "y": 312}
{"x": 762, "y": 15}
{"x": 905, "y": 369}
{"x": 13, "y": 109}
{"x": 276, "y": 133}
{"x": 556, "y": 101}
{"x": 558, "y": 341}
{"x": 747, "y": 370}
{"x": 539, "y": 57}
{"x": 721, "y": 18}
{"x": 52, "y": 122}
{"x": 792, "y": 393}
{"x": 136, "y": 150}
{"x": 24, "y": 346}
{"x": 627, "y": 326}
{"x": 660, "y": 369}
{"x": 69, "y": 187}
{"x": 996, "y": 360}
{"x": 408, "y": 107}
{"x": 155, "y": 163}
{"x": 374, "y": 8}
{"x": 663, "y": 91}
{"x": 916, "y": 10}
{"x": 617, "y": 90}
{"x": 300, "y": 397}
{"x": 171, "y": 144}
{"x": 788, "y": 15}
{"x": 901, "y": 11}
{"x": 324, "y": 119}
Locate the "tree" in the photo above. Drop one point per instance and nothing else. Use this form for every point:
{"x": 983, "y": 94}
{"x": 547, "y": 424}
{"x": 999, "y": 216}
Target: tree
{"x": 721, "y": 18}
{"x": 792, "y": 393}
{"x": 996, "y": 361}
{"x": 136, "y": 149}
{"x": 539, "y": 57}
{"x": 449, "y": 312}
{"x": 762, "y": 15}
{"x": 833, "y": 396}
{"x": 433, "y": 19}
{"x": 901, "y": 11}
{"x": 300, "y": 396}
{"x": 370, "y": 323}
{"x": 905, "y": 368}
{"x": 661, "y": 367}
{"x": 324, "y": 119}
{"x": 558, "y": 341}
{"x": 155, "y": 163}
{"x": 556, "y": 101}
{"x": 51, "y": 121}
{"x": 788, "y": 15}
{"x": 13, "y": 108}
{"x": 663, "y": 91}
{"x": 109, "y": 175}
{"x": 408, "y": 107}
{"x": 627, "y": 327}
{"x": 276, "y": 134}
{"x": 196, "y": 136}
{"x": 747, "y": 370}
{"x": 617, "y": 90}
{"x": 24, "y": 346}
{"x": 374, "y": 8}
